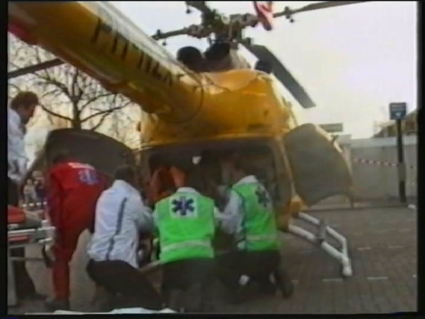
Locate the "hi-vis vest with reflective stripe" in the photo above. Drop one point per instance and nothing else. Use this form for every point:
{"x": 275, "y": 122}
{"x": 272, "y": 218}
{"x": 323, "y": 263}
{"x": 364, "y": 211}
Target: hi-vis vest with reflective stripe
{"x": 259, "y": 226}
{"x": 186, "y": 227}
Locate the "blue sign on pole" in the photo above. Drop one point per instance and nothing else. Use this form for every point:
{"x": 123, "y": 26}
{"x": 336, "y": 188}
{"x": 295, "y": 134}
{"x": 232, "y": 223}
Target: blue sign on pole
{"x": 398, "y": 111}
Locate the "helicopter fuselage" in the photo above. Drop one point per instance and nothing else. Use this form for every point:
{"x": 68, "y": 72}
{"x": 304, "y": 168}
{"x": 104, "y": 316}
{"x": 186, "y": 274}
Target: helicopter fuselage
{"x": 237, "y": 103}
{"x": 182, "y": 107}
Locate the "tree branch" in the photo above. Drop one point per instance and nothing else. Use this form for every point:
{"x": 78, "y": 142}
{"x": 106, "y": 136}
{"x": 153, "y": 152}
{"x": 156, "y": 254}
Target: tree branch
{"x": 17, "y": 88}
{"x": 49, "y": 81}
{"x": 50, "y": 112}
{"x": 107, "y": 112}
{"x": 103, "y": 118}
{"x": 93, "y": 99}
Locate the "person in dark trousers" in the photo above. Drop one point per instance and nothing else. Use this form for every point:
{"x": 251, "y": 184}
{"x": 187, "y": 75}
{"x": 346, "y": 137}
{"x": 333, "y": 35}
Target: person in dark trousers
{"x": 186, "y": 222}
{"x": 20, "y": 111}
{"x": 256, "y": 257}
{"x": 72, "y": 192}
{"x": 120, "y": 216}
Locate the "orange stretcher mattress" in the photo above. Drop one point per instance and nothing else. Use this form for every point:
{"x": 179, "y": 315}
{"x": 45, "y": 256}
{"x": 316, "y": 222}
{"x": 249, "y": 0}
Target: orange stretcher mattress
{"x": 15, "y": 215}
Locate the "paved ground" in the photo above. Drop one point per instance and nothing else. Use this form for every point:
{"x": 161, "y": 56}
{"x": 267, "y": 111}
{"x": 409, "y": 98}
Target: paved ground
{"x": 382, "y": 244}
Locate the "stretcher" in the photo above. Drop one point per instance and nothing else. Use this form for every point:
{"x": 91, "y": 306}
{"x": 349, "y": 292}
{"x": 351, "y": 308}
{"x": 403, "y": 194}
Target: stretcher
{"x": 24, "y": 228}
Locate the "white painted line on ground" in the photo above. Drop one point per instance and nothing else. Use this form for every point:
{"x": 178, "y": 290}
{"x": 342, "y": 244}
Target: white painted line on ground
{"x": 414, "y": 276}
{"x": 377, "y": 278}
{"x": 364, "y": 248}
{"x": 332, "y": 280}
{"x": 412, "y": 207}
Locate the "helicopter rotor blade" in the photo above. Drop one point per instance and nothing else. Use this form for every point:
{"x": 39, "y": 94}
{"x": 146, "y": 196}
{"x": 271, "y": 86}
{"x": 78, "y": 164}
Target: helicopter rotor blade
{"x": 315, "y": 6}
{"x": 282, "y": 74}
{"x": 34, "y": 68}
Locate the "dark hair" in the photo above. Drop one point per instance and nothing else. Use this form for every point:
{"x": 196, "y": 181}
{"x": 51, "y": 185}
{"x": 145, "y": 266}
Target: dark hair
{"x": 61, "y": 156}
{"x": 125, "y": 173}
{"x": 24, "y": 99}
{"x": 242, "y": 164}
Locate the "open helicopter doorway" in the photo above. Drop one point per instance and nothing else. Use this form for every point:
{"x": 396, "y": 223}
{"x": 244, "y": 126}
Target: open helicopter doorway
{"x": 208, "y": 161}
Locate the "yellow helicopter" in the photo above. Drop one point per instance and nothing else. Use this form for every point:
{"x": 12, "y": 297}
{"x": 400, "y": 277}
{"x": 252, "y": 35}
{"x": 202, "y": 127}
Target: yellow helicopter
{"x": 201, "y": 103}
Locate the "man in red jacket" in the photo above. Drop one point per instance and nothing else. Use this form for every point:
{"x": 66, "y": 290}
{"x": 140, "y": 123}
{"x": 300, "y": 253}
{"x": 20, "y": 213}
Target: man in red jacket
{"x": 72, "y": 192}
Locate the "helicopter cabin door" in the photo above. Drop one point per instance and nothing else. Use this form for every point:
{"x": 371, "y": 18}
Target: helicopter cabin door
{"x": 102, "y": 152}
{"x": 318, "y": 167}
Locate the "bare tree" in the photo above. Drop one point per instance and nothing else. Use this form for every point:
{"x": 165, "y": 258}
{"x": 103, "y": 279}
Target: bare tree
{"x": 66, "y": 93}
{"x": 123, "y": 126}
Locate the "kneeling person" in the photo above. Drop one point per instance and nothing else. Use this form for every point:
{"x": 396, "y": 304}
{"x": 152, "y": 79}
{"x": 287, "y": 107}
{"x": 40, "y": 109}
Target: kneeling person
{"x": 252, "y": 222}
{"x": 120, "y": 216}
{"x": 186, "y": 224}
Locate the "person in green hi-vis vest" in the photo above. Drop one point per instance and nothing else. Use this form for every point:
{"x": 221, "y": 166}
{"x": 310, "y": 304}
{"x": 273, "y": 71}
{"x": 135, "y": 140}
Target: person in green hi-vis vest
{"x": 256, "y": 258}
{"x": 186, "y": 222}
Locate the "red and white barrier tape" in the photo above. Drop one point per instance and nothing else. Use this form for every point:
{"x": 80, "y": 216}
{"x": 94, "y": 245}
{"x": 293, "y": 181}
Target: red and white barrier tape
{"x": 380, "y": 163}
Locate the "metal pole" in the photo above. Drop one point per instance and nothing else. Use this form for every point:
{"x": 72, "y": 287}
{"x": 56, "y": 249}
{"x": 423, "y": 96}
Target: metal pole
{"x": 400, "y": 165}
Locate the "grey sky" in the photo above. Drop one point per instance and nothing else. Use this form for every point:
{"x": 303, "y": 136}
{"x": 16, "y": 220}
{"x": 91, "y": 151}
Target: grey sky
{"x": 352, "y": 60}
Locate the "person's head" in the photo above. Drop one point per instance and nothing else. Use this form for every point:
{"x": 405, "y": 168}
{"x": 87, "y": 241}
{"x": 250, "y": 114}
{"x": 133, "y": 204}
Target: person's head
{"x": 24, "y": 103}
{"x": 239, "y": 168}
{"x": 166, "y": 181}
{"x": 185, "y": 176}
{"x": 37, "y": 175}
{"x": 178, "y": 175}
{"x": 62, "y": 157}
{"x": 127, "y": 174}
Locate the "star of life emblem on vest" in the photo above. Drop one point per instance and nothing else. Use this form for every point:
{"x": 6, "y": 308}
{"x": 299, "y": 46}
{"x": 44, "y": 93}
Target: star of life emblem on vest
{"x": 184, "y": 207}
{"x": 263, "y": 197}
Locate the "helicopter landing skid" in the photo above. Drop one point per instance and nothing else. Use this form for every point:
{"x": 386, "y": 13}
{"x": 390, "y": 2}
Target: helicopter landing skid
{"x": 320, "y": 240}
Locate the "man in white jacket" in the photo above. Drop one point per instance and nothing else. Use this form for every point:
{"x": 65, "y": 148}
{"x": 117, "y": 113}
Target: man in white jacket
{"x": 120, "y": 216}
{"x": 20, "y": 111}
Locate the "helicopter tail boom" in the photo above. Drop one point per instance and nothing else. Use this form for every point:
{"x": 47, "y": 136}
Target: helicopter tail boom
{"x": 96, "y": 38}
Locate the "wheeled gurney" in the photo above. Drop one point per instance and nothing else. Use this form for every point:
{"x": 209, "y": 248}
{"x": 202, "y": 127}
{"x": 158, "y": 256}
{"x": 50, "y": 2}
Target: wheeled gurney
{"x": 26, "y": 228}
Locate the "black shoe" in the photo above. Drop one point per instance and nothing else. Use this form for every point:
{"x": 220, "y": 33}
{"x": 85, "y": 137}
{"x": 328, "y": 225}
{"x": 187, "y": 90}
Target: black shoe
{"x": 57, "y": 304}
